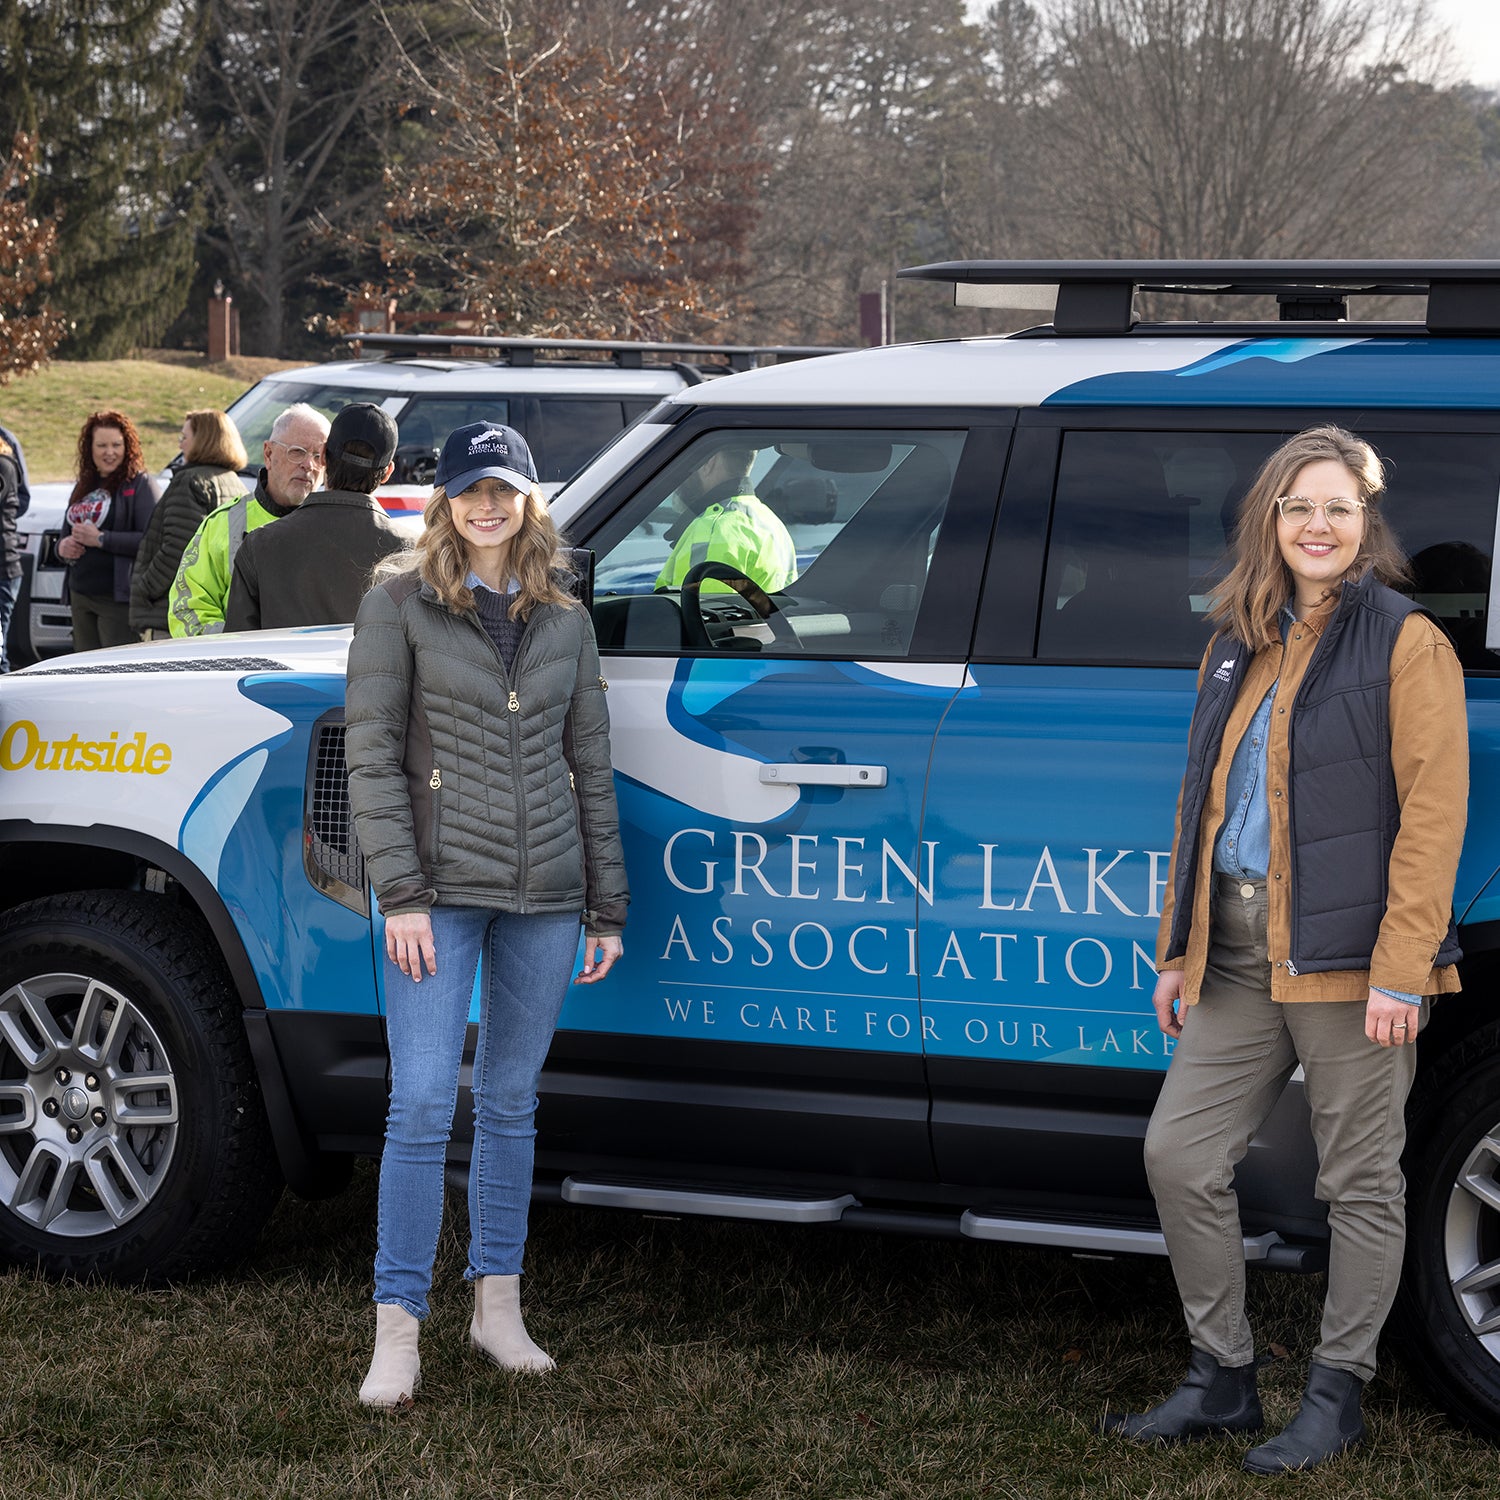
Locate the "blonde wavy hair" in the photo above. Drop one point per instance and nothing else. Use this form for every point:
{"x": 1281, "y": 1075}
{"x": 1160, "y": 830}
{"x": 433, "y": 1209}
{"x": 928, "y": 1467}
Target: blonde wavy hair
{"x": 440, "y": 557}
{"x": 1248, "y": 602}
{"x": 215, "y": 440}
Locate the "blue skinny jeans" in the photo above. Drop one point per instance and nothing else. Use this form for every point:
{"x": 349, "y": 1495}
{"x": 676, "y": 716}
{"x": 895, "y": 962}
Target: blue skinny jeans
{"x": 525, "y": 963}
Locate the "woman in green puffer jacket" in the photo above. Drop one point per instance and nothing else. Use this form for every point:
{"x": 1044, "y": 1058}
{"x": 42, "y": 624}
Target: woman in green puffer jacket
{"x": 484, "y": 805}
{"x": 213, "y": 456}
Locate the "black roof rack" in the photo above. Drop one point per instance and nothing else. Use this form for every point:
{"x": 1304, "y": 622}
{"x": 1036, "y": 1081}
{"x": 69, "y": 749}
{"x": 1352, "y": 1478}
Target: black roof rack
{"x": 625, "y": 353}
{"x": 1097, "y": 296}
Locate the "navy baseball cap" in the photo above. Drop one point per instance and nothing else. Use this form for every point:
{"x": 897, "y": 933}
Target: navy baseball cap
{"x": 362, "y": 422}
{"x": 485, "y": 450}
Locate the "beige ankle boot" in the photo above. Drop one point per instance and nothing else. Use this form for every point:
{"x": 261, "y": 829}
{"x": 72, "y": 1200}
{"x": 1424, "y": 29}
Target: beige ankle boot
{"x": 396, "y": 1370}
{"x": 497, "y": 1329}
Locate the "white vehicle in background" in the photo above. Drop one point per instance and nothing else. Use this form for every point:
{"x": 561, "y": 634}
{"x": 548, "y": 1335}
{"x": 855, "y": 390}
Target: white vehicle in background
{"x": 570, "y": 397}
{"x": 41, "y": 624}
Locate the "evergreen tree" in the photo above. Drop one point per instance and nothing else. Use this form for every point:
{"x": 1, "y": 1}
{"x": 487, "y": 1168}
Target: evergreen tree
{"x": 294, "y": 105}
{"x": 99, "y": 85}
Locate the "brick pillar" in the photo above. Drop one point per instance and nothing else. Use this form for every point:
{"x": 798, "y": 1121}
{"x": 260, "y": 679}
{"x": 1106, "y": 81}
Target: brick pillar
{"x": 874, "y": 317}
{"x": 221, "y": 330}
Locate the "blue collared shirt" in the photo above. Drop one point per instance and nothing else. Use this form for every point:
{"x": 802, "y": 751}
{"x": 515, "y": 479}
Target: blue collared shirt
{"x": 474, "y": 581}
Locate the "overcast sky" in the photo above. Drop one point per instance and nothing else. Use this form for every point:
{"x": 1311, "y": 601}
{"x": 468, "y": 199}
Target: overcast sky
{"x": 1473, "y": 24}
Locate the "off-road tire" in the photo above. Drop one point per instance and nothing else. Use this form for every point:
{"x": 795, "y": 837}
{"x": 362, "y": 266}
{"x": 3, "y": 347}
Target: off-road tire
{"x": 162, "y": 1182}
{"x": 1452, "y": 1229}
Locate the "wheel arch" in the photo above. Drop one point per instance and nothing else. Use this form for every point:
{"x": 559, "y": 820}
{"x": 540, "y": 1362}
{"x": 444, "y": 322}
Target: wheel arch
{"x": 38, "y": 861}
{"x": 1457, "y": 1017}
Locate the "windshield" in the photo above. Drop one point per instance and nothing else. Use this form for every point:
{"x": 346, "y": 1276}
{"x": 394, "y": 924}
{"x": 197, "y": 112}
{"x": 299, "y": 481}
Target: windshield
{"x": 259, "y": 407}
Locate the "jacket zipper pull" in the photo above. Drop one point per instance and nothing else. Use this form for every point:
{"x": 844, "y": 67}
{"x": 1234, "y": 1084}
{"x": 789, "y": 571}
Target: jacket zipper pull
{"x": 571, "y": 783}
{"x": 603, "y": 685}
{"x": 1291, "y": 968}
{"x": 437, "y": 779}
{"x": 514, "y": 703}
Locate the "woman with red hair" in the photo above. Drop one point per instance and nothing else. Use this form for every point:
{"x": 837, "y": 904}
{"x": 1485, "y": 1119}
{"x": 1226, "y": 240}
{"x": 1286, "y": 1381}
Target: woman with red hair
{"x": 106, "y": 519}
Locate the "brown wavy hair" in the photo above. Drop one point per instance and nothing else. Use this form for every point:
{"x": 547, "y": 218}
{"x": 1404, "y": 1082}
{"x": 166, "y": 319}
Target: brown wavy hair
{"x": 1258, "y": 585}
{"x": 215, "y": 440}
{"x": 441, "y": 557}
{"x": 132, "y": 464}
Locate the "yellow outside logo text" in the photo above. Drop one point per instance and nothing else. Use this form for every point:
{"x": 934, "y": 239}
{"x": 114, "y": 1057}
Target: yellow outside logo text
{"x": 22, "y": 748}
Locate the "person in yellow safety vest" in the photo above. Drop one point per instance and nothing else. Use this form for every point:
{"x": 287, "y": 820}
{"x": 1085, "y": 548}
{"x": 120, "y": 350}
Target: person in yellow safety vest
{"x": 730, "y": 524}
{"x": 293, "y": 469}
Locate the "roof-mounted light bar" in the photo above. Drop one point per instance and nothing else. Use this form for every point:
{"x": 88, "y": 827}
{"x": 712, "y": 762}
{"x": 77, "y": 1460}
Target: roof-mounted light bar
{"x": 1098, "y": 296}
{"x": 626, "y": 353}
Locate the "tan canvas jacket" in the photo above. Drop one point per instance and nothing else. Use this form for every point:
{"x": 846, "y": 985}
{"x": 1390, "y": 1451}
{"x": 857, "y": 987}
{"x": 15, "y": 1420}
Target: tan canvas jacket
{"x": 1430, "y": 758}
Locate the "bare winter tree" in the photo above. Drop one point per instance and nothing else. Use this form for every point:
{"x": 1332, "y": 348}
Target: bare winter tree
{"x": 294, "y": 98}
{"x": 29, "y": 328}
{"x": 584, "y": 175}
{"x": 1187, "y": 128}
{"x": 874, "y": 107}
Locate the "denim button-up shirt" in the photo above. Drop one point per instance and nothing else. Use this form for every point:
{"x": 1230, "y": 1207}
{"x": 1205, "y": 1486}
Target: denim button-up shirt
{"x": 1243, "y": 847}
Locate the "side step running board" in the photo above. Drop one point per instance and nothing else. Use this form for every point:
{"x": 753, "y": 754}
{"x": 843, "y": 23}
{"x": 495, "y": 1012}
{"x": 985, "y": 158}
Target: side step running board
{"x": 647, "y": 1195}
{"x": 1106, "y": 1239}
{"x": 725, "y": 1203}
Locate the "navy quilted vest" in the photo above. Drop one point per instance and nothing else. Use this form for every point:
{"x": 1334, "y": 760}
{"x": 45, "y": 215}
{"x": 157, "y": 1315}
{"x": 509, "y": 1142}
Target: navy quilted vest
{"x": 1344, "y": 814}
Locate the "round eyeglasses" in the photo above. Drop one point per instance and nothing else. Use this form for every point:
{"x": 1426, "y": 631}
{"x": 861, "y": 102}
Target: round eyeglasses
{"x": 300, "y": 455}
{"x": 1297, "y": 510}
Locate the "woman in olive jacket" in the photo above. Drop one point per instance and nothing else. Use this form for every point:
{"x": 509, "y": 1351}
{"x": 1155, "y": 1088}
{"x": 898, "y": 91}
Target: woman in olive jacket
{"x": 212, "y": 457}
{"x": 1308, "y": 921}
{"x": 483, "y": 801}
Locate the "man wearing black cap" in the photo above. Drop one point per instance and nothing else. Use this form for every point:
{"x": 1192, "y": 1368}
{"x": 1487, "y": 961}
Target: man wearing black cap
{"x": 314, "y": 566}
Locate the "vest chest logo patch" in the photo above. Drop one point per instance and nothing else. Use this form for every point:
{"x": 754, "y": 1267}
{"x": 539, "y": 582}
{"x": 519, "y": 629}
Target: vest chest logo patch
{"x": 1225, "y": 670}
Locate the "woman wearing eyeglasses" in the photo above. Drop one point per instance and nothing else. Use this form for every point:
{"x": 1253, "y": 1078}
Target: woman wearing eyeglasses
{"x": 1308, "y": 920}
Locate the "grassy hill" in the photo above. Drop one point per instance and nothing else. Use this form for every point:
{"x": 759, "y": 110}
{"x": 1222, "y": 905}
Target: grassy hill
{"x": 46, "y": 410}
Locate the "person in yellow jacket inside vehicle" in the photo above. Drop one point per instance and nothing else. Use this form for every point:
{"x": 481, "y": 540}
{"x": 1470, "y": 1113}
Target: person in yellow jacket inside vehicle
{"x": 294, "y": 467}
{"x": 728, "y": 523}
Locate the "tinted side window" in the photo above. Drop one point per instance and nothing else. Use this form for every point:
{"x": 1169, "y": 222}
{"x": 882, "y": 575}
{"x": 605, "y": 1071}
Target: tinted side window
{"x": 1139, "y": 521}
{"x": 424, "y": 425}
{"x": 1142, "y": 519}
{"x": 1441, "y": 502}
{"x": 573, "y": 432}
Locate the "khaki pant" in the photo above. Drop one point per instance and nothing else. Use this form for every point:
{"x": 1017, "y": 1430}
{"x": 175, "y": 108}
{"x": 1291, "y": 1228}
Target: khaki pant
{"x": 1237, "y": 1050}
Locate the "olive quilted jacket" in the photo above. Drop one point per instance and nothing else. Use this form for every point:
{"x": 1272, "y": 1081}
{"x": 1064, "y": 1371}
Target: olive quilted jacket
{"x": 471, "y": 786}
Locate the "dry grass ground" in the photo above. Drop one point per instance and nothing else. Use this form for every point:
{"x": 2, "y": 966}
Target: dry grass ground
{"x": 47, "y": 409}
{"x": 695, "y": 1359}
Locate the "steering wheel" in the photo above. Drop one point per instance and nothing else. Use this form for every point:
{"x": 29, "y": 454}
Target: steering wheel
{"x": 762, "y": 603}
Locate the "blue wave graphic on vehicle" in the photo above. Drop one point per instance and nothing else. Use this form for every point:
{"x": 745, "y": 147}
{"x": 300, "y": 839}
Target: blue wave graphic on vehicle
{"x": 1374, "y": 372}
{"x": 827, "y": 916}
